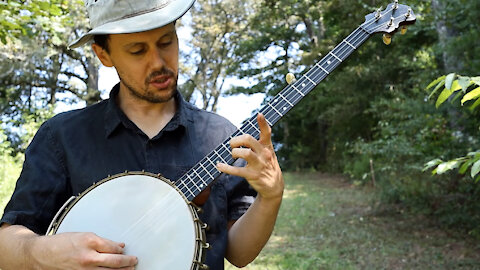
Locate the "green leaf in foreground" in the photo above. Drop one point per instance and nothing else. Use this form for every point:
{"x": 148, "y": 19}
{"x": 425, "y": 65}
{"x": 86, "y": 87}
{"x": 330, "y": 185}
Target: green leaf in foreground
{"x": 475, "y": 93}
{"x": 447, "y": 166}
{"x": 449, "y": 80}
{"x": 464, "y": 82}
{"x": 437, "y": 81}
{"x": 475, "y": 105}
{"x": 446, "y": 93}
{"x": 475, "y": 169}
{"x": 432, "y": 163}
{"x": 440, "y": 84}
{"x": 475, "y": 80}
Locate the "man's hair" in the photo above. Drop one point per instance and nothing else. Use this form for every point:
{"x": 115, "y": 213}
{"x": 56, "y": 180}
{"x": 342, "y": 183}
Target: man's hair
{"x": 102, "y": 41}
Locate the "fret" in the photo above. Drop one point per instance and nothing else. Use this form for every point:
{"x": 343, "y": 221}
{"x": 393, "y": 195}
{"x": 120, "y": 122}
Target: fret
{"x": 225, "y": 147}
{"x": 278, "y": 112}
{"x": 211, "y": 176}
{"x": 308, "y": 78}
{"x": 255, "y": 127}
{"x": 318, "y": 65}
{"x": 338, "y": 58}
{"x": 296, "y": 89}
{"x": 211, "y": 162}
{"x": 221, "y": 157}
{"x": 348, "y": 43}
{"x": 284, "y": 98}
{"x": 268, "y": 121}
{"x": 198, "y": 175}
{"x": 188, "y": 189}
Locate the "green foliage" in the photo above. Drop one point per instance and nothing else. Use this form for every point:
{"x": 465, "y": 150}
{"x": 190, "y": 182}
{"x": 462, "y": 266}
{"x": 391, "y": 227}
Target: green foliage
{"x": 453, "y": 83}
{"x": 10, "y": 167}
{"x": 20, "y": 19}
{"x": 11, "y": 156}
{"x": 470, "y": 90}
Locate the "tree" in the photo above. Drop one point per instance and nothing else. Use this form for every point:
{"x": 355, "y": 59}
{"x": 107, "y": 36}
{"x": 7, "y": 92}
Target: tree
{"x": 38, "y": 68}
{"x": 217, "y": 28}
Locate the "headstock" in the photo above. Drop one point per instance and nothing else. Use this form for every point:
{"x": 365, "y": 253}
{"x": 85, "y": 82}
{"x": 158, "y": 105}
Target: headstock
{"x": 396, "y": 16}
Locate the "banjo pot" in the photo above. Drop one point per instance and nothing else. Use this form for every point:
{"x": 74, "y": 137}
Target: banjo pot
{"x": 145, "y": 211}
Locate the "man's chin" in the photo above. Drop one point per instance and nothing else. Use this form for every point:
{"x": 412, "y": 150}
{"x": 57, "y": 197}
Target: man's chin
{"x": 159, "y": 96}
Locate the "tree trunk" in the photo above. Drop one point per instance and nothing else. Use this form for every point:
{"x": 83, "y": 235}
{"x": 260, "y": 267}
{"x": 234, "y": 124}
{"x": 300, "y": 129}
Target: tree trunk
{"x": 93, "y": 93}
{"x": 445, "y": 34}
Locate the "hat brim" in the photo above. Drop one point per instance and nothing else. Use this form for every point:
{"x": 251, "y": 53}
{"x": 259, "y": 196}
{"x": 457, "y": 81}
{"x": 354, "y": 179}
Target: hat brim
{"x": 140, "y": 23}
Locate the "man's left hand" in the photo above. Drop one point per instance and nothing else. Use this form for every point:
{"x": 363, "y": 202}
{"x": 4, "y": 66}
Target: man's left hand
{"x": 262, "y": 170}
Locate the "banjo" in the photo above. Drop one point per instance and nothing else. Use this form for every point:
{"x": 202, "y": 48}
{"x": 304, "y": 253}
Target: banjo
{"x": 159, "y": 223}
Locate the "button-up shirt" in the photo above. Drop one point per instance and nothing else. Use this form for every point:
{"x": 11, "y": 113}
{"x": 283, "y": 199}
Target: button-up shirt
{"x": 73, "y": 150}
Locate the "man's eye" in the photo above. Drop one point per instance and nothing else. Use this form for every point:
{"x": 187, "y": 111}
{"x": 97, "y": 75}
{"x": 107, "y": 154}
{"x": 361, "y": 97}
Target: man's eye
{"x": 166, "y": 43}
{"x": 138, "y": 52}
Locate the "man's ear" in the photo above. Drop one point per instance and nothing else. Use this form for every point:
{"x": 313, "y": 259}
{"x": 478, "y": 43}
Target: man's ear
{"x": 103, "y": 55}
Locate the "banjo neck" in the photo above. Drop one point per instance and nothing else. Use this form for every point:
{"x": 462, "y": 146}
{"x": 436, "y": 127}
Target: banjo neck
{"x": 204, "y": 172}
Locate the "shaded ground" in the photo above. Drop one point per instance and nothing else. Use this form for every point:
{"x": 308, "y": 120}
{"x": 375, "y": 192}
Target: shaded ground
{"x": 326, "y": 223}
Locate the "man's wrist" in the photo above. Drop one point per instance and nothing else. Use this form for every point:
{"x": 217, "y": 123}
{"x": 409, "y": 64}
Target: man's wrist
{"x": 32, "y": 248}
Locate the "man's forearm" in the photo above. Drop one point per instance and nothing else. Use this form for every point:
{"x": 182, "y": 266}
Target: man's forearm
{"x": 15, "y": 242}
{"x": 250, "y": 233}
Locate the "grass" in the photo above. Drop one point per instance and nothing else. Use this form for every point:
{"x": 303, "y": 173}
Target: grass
{"x": 326, "y": 223}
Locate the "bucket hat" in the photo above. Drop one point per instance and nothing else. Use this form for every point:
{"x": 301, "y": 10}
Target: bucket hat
{"x": 123, "y": 16}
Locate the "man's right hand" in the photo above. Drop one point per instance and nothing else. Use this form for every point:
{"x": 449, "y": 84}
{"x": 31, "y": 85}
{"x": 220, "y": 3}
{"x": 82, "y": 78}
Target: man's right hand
{"x": 65, "y": 251}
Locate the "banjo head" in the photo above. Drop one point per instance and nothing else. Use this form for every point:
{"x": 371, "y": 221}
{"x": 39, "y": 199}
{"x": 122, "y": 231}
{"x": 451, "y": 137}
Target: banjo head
{"x": 144, "y": 211}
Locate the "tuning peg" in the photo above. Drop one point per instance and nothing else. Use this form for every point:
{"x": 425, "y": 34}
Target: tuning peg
{"x": 290, "y": 78}
{"x": 403, "y": 29}
{"x": 378, "y": 14}
{"x": 387, "y": 39}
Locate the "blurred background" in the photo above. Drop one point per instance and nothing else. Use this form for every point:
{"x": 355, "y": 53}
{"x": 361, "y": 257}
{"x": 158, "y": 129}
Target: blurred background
{"x": 390, "y": 137}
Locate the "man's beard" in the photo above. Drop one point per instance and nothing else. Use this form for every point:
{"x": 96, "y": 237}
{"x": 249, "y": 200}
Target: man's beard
{"x": 148, "y": 95}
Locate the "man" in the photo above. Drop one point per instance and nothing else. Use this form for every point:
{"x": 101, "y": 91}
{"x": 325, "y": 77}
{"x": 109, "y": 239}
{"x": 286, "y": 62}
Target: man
{"x": 145, "y": 125}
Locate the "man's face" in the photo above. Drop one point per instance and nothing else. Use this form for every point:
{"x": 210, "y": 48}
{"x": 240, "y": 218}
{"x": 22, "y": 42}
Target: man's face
{"x": 146, "y": 62}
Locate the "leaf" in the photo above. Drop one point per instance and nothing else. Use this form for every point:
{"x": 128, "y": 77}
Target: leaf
{"x": 475, "y": 169}
{"x": 446, "y": 93}
{"x": 464, "y": 82}
{"x": 447, "y": 166}
{"x": 431, "y": 164}
{"x": 474, "y": 154}
{"x": 449, "y": 80}
{"x": 463, "y": 169}
{"x": 475, "y": 93}
{"x": 455, "y": 86}
{"x": 475, "y": 80}
{"x": 457, "y": 96}
{"x": 440, "y": 84}
{"x": 475, "y": 105}
{"x": 438, "y": 80}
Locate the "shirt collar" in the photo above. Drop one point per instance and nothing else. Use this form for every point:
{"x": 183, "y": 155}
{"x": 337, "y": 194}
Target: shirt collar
{"x": 114, "y": 116}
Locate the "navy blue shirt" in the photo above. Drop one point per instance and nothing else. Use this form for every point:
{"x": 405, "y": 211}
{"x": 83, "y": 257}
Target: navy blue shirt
{"x": 73, "y": 150}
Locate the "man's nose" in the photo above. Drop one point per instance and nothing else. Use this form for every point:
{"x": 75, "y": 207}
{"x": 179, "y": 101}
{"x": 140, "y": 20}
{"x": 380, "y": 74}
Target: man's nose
{"x": 157, "y": 59}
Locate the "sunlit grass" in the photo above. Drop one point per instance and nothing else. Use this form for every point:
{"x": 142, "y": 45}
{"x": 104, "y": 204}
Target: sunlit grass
{"x": 326, "y": 223}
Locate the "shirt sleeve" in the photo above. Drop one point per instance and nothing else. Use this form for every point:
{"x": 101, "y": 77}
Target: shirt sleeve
{"x": 42, "y": 186}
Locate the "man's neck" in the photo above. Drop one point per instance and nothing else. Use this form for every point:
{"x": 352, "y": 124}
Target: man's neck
{"x": 149, "y": 117}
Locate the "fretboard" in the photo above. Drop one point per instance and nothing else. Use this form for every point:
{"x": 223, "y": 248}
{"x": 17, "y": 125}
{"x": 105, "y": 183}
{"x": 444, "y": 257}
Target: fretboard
{"x": 205, "y": 171}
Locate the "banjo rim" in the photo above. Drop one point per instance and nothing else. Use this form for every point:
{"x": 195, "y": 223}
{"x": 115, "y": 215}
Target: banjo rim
{"x": 200, "y": 236}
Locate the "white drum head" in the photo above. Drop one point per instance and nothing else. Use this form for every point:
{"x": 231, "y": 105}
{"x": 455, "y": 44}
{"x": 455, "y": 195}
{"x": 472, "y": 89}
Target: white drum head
{"x": 147, "y": 214}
